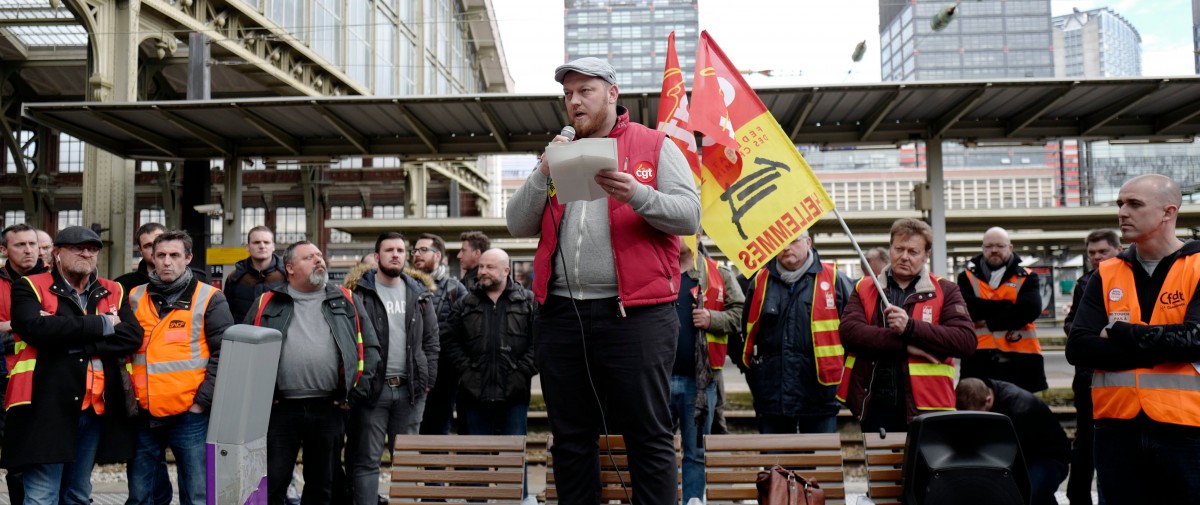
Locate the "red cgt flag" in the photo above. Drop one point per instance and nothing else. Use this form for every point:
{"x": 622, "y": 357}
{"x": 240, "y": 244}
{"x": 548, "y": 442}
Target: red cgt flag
{"x": 710, "y": 114}
{"x": 673, "y": 109}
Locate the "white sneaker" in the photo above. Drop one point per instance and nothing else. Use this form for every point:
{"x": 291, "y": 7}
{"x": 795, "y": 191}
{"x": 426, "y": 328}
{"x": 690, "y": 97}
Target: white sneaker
{"x": 695, "y": 501}
{"x": 529, "y": 500}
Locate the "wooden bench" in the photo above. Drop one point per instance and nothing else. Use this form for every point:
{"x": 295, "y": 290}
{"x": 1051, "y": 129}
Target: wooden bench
{"x": 485, "y": 468}
{"x": 732, "y": 463}
{"x": 614, "y": 470}
{"x": 885, "y": 460}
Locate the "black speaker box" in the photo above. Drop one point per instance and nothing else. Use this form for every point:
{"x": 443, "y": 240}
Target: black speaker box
{"x": 964, "y": 457}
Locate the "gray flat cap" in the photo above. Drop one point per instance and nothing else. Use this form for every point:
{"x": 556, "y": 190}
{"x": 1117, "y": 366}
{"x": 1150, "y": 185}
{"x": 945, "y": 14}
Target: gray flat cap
{"x": 77, "y": 235}
{"x": 594, "y": 67}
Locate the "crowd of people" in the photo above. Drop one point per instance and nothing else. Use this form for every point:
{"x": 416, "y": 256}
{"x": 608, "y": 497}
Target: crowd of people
{"x": 629, "y": 327}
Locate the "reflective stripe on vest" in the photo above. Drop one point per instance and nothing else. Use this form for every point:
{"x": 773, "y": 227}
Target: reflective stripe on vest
{"x": 1026, "y": 340}
{"x": 20, "y": 377}
{"x": 266, "y": 297}
{"x": 1168, "y": 392}
{"x": 931, "y": 384}
{"x": 714, "y": 300}
{"x": 823, "y": 325}
{"x": 173, "y": 359}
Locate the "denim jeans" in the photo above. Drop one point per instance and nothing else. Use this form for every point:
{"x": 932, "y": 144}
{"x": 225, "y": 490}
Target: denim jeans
{"x": 787, "y": 425}
{"x": 495, "y": 418}
{"x": 66, "y": 483}
{"x": 1144, "y": 461}
{"x": 185, "y": 434}
{"x": 319, "y": 426}
{"x": 683, "y": 400}
{"x": 1045, "y": 475}
{"x": 372, "y": 425}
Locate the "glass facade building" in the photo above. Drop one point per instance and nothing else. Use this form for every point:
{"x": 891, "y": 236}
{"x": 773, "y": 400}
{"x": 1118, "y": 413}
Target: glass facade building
{"x": 988, "y": 39}
{"x": 632, "y": 36}
{"x": 1096, "y": 43}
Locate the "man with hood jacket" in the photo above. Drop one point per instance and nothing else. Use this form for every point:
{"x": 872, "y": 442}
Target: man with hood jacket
{"x": 70, "y": 397}
{"x": 1004, "y": 300}
{"x": 400, "y": 307}
{"x": 253, "y": 276}
{"x": 792, "y": 353}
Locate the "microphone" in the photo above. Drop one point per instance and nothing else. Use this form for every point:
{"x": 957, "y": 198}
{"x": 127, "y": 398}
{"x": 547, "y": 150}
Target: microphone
{"x": 568, "y": 132}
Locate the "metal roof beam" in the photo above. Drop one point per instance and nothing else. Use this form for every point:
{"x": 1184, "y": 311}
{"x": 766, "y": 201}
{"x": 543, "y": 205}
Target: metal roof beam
{"x": 471, "y": 182}
{"x": 427, "y": 137}
{"x": 1176, "y": 118}
{"x": 1100, "y": 118}
{"x": 810, "y": 100}
{"x": 888, "y": 103}
{"x": 163, "y": 144}
{"x": 348, "y": 132}
{"x": 1035, "y": 111}
{"x": 204, "y": 134}
{"x": 282, "y": 138}
{"x": 47, "y": 21}
{"x": 953, "y": 115}
{"x": 489, "y": 120}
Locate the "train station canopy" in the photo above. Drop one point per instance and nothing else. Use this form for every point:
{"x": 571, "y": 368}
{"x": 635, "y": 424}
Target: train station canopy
{"x": 979, "y": 113}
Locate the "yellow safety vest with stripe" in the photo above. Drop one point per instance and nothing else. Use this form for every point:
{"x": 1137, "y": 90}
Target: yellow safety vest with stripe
{"x": 827, "y": 344}
{"x": 1023, "y": 340}
{"x": 170, "y": 366}
{"x": 1168, "y": 392}
{"x": 932, "y": 384}
{"x": 714, "y": 300}
{"x": 266, "y": 297}
{"x": 20, "y": 377}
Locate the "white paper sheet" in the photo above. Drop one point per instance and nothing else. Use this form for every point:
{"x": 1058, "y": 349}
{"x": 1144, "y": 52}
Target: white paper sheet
{"x": 573, "y": 166}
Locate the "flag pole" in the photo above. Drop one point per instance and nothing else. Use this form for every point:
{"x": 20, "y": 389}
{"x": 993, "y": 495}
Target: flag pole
{"x": 861, "y": 256}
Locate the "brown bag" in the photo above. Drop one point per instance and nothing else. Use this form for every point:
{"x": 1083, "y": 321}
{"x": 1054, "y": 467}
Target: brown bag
{"x": 778, "y": 486}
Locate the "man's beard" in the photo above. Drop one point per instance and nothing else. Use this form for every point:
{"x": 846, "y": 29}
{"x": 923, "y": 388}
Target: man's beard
{"x": 487, "y": 282}
{"x": 318, "y": 278}
{"x": 391, "y": 271}
{"x": 592, "y": 124}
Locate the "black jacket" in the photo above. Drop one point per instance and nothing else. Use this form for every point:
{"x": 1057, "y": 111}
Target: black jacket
{"x": 217, "y": 319}
{"x": 141, "y": 275}
{"x": 1130, "y": 346}
{"x": 491, "y": 343}
{"x": 421, "y": 330}
{"x": 340, "y": 315}
{"x": 1023, "y": 369}
{"x": 44, "y": 430}
{"x": 783, "y": 381}
{"x": 1039, "y": 432}
{"x": 245, "y": 284}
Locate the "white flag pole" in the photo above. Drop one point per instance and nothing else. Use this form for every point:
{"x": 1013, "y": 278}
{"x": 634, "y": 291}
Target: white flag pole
{"x": 861, "y": 256}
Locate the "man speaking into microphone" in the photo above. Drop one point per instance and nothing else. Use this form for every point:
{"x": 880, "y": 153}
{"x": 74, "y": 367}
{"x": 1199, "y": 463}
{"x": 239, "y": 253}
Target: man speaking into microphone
{"x": 607, "y": 275}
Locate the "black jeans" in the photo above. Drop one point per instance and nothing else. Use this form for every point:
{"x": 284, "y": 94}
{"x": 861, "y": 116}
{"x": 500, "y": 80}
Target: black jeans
{"x": 630, "y": 361}
{"x": 317, "y": 425}
{"x": 1079, "y": 483}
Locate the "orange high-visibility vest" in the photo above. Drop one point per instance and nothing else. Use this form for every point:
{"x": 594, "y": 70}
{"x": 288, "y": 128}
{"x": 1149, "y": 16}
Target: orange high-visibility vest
{"x": 825, "y": 320}
{"x": 1026, "y": 338}
{"x": 932, "y": 384}
{"x": 1168, "y": 392}
{"x": 170, "y": 366}
{"x": 713, "y": 300}
{"x": 20, "y": 377}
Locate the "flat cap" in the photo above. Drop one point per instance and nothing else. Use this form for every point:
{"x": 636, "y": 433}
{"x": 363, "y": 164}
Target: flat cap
{"x": 77, "y": 235}
{"x": 594, "y": 67}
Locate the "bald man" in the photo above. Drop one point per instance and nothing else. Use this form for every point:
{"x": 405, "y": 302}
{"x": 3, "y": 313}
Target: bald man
{"x": 490, "y": 342}
{"x": 1138, "y": 326}
{"x": 1004, "y": 300}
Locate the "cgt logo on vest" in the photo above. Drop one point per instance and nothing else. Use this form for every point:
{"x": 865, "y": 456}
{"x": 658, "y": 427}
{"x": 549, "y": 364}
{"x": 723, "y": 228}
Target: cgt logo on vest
{"x": 1171, "y": 300}
{"x": 175, "y": 325}
{"x": 643, "y": 171}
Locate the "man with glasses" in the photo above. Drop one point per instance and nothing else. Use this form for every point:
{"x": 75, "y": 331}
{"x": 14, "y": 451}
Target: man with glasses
{"x": 1004, "y": 300}
{"x": 428, "y": 252}
{"x": 18, "y": 243}
{"x": 68, "y": 396}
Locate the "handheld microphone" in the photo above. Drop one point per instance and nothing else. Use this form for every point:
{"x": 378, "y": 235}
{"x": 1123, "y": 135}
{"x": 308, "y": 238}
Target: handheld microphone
{"x": 568, "y": 132}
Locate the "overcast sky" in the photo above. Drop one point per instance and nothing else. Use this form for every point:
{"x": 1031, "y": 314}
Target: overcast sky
{"x": 810, "y": 41}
